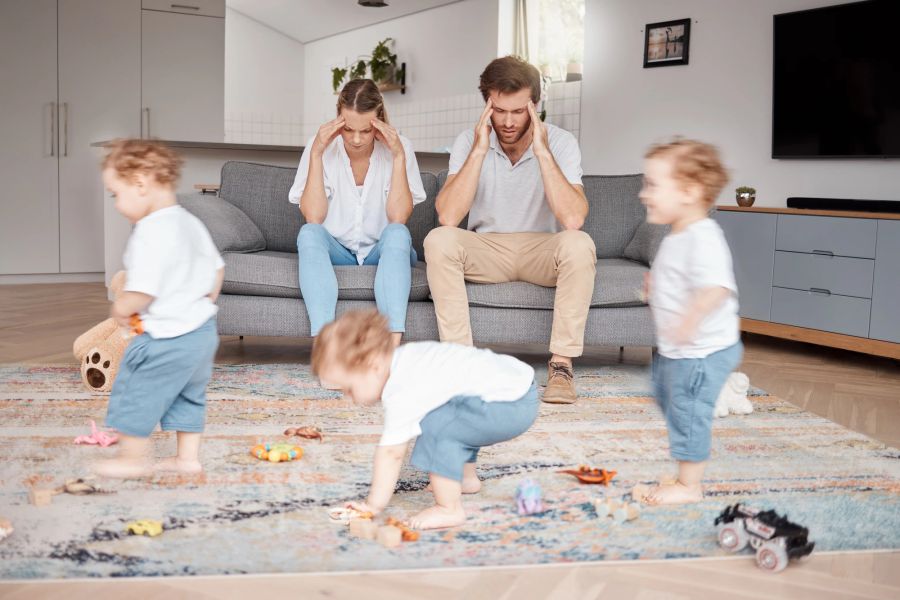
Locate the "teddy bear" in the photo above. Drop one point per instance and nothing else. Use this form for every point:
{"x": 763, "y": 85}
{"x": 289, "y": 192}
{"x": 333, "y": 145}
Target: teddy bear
{"x": 100, "y": 349}
{"x": 733, "y": 397}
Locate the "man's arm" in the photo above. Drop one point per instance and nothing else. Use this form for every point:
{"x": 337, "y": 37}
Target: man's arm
{"x": 456, "y": 197}
{"x": 567, "y": 201}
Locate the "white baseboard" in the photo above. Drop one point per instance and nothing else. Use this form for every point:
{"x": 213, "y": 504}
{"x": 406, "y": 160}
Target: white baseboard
{"x": 52, "y": 278}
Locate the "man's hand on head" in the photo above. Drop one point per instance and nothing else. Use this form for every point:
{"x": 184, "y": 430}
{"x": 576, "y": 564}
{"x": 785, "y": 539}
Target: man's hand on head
{"x": 483, "y": 128}
{"x": 540, "y": 143}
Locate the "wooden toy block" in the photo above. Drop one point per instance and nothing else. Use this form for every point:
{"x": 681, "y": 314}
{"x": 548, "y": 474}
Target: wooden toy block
{"x": 389, "y": 536}
{"x": 363, "y": 528}
{"x": 40, "y": 497}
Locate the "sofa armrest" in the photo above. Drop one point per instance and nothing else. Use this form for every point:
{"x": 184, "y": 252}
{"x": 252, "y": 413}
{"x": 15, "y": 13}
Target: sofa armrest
{"x": 230, "y": 228}
{"x": 645, "y": 242}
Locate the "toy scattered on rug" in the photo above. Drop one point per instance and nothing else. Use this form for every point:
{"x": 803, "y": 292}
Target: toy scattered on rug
{"x": 408, "y": 535}
{"x": 100, "y": 349}
{"x": 618, "y": 509}
{"x": 363, "y": 526}
{"x": 775, "y": 539}
{"x": 277, "y": 452}
{"x": 76, "y": 487}
{"x": 343, "y": 515}
{"x": 6, "y": 529}
{"x": 146, "y": 527}
{"x": 586, "y": 474}
{"x": 98, "y": 437}
{"x": 308, "y": 431}
{"x": 528, "y": 497}
{"x": 733, "y": 397}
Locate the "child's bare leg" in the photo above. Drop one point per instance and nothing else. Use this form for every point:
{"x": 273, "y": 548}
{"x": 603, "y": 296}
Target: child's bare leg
{"x": 470, "y": 482}
{"x": 447, "y": 510}
{"x": 688, "y": 488}
{"x": 396, "y": 338}
{"x": 188, "y": 458}
{"x": 131, "y": 461}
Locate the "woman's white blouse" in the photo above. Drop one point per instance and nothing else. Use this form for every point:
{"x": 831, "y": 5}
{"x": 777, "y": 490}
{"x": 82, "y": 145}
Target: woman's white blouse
{"x": 356, "y": 218}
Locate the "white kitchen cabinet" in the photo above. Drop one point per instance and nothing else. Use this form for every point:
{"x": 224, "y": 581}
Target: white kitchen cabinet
{"x": 183, "y": 76}
{"x": 29, "y": 146}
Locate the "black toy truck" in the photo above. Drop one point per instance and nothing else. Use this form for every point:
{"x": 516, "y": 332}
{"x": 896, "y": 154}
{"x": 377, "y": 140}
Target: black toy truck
{"x": 775, "y": 539}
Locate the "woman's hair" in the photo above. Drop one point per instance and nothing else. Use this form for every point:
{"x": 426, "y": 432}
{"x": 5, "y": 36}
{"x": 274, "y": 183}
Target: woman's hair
{"x": 510, "y": 74}
{"x": 127, "y": 157}
{"x": 353, "y": 341}
{"x": 693, "y": 163}
{"x": 362, "y": 95}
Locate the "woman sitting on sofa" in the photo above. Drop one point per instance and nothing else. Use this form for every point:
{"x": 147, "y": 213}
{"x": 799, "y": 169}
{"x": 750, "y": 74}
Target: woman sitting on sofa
{"x": 356, "y": 185}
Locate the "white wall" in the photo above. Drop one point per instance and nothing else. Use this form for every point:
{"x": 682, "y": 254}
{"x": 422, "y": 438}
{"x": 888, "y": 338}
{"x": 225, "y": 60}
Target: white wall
{"x": 264, "y": 83}
{"x": 723, "y": 96}
{"x": 444, "y": 48}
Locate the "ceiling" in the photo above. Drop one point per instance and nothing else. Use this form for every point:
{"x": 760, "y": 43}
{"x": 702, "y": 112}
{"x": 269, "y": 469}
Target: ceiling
{"x": 310, "y": 20}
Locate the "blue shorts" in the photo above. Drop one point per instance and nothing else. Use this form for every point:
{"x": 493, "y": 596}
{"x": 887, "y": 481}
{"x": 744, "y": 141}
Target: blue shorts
{"x": 686, "y": 390}
{"x": 163, "y": 381}
{"x": 453, "y": 432}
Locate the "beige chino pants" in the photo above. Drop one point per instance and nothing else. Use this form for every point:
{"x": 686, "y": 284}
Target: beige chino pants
{"x": 565, "y": 260}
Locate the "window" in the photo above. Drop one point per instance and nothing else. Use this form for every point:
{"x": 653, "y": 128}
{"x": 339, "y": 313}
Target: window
{"x": 553, "y": 36}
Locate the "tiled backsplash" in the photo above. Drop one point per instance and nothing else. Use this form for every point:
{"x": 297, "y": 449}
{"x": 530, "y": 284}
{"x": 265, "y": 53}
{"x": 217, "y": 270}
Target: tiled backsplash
{"x": 431, "y": 125}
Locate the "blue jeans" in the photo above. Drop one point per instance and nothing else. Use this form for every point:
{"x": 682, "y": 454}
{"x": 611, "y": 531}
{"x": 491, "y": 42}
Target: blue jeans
{"x": 319, "y": 253}
{"x": 686, "y": 390}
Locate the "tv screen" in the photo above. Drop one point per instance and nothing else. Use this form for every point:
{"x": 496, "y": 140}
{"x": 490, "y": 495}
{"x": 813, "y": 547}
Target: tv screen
{"x": 836, "y": 84}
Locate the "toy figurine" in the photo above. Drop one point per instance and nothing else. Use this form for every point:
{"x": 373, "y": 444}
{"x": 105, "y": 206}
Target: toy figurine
{"x": 309, "y": 432}
{"x": 528, "y": 497}
{"x": 341, "y": 515}
{"x": 587, "y": 474}
{"x": 98, "y": 437}
{"x": 733, "y": 397}
{"x": 775, "y": 539}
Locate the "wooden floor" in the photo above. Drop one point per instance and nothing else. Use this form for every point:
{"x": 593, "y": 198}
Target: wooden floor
{"x": 38, "y": 324}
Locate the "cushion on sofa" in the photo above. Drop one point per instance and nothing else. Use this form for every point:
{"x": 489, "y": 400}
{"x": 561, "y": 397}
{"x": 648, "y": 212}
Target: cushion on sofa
{"x": 423, "y": 218}
{"x": 261, "y": 192}
{"x": 231, "y": 230}
{"x": 645, "y": 243}
{"x": 271, "y": 273}
{"x": 618, "y": 283}
{"x": 615, "y": 211}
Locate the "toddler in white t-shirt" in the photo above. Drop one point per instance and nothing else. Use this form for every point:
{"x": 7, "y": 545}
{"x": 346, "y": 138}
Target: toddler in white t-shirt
{"x": 693, "y": 297}
{"x": 452, "y": 399}
{"x": 173, "y": 276}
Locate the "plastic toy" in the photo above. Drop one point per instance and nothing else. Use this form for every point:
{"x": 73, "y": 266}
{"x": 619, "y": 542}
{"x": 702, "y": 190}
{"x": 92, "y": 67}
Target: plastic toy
{"x": 587, "y": 474}
{"x": 40, "y": 496}
{"x": 407, "y": 534}
{"x": 341, "y": 515}
{"x": 98, "y": 437}
{"x": 389, "y": 536}
{"x": 81, "y": 487}
{"x": 6, "y": 529}
{"x": 528, "y": 497}
{"x": 277, "y": 452}
{"x": 733, "y": 397}
{"x": 775, "y": 539}
{"x": 146, "y": 527}
{"x": 619, "y": 510}
{"x": 363, "y": 528}
{"x": 308, "y": 432}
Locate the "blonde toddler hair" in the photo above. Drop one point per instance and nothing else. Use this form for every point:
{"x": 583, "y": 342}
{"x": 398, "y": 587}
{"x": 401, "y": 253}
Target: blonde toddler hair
{"x": 693, "y": 163}
{"x": 128, "y": 157}
{"x": 353, "y": 340}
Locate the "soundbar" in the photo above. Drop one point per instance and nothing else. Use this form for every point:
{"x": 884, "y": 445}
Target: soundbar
{"x": 881, "y": 206}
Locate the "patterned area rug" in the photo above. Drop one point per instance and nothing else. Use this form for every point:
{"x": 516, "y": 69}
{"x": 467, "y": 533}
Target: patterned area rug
{"x": 249, "y": 516}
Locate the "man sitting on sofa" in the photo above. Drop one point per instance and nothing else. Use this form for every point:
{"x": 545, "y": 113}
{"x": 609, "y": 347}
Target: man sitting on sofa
{"x": 519, "y": 180}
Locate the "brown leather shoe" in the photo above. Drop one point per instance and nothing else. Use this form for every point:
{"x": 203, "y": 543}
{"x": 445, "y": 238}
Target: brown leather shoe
{"x": 560, "y": 384}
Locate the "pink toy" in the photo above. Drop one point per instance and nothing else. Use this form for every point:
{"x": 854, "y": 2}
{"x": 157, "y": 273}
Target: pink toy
{"x": 99, "y": 437}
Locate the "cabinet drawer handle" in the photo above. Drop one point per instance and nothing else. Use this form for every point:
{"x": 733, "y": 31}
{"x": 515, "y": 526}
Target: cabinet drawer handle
{"x": 822, "y": 291}
{"x": 185, "y": 6}
{"x": 823, "y": 252}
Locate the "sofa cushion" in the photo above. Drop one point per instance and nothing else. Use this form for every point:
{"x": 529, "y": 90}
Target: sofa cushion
{"x": 615, "y": 211}
{"x": 231, "y": 230}
{"x": 618, "y": 283}
{"x": 261, "y": 192}
{"x": 645, "y": 243}
{"x": 269, "y": 273}
{"x": 423, "y": 218}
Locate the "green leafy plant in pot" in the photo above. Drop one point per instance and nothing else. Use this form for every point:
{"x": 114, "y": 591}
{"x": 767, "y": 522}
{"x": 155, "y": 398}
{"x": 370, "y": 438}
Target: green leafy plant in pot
{"x": 745, "y": 196}
{"x": 383, "y": 63}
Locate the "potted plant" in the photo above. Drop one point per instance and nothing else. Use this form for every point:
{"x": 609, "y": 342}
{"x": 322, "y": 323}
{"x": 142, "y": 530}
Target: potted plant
{"x": 745, "y": 196}
{"x": 383, "y": 63}
{"x": 337, "y": 78}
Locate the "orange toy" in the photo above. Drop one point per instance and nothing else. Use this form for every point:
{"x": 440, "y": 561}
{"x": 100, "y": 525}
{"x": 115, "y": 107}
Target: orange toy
{"x": 586, "y": 474}
{"x": 408, "y": 535}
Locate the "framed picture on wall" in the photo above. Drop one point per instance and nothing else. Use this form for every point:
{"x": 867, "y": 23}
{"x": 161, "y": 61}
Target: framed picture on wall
{"x": 666, "y": 44}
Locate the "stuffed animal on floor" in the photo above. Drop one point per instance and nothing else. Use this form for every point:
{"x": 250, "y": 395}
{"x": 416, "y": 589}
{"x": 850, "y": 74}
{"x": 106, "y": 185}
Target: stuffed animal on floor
{"x": 733, "y": 397}
{"x": 101, "y": 348}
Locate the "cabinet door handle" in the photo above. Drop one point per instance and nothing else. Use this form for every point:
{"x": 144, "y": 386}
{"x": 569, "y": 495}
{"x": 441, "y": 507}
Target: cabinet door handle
{"x": 185, "y": 6}
{"x": 821, "y": 291}
{"x": 53, "y": 129}
{"x": 65, "y": 128}
{"x": 823, "y": 252}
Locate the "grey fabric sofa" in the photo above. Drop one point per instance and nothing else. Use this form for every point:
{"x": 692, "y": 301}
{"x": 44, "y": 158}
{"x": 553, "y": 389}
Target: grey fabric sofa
{"x": 256, "y": 230}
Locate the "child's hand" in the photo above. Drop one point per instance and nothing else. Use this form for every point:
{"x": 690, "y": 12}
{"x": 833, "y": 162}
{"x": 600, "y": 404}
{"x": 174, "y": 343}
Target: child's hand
{"x": 363, "y": 507}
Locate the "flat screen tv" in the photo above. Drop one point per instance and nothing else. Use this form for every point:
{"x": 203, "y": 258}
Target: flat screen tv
{"x": 836, "y": 83}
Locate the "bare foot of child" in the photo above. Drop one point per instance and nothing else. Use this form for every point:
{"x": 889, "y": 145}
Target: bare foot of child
{"x": 173, "y": 463}
{"x": 438, "y": 517}
{"x": 122, "y": 468}
{"x": 674, "y": 493}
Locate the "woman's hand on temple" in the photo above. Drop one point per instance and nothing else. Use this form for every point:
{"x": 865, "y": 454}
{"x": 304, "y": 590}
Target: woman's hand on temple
{"x": 388, "y": 136}
{"x": 326, "y": 134}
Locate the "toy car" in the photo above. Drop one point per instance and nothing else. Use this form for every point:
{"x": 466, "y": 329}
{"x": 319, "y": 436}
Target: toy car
{"x": 775, "y": 539}
{"x": 144, "y": 527}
